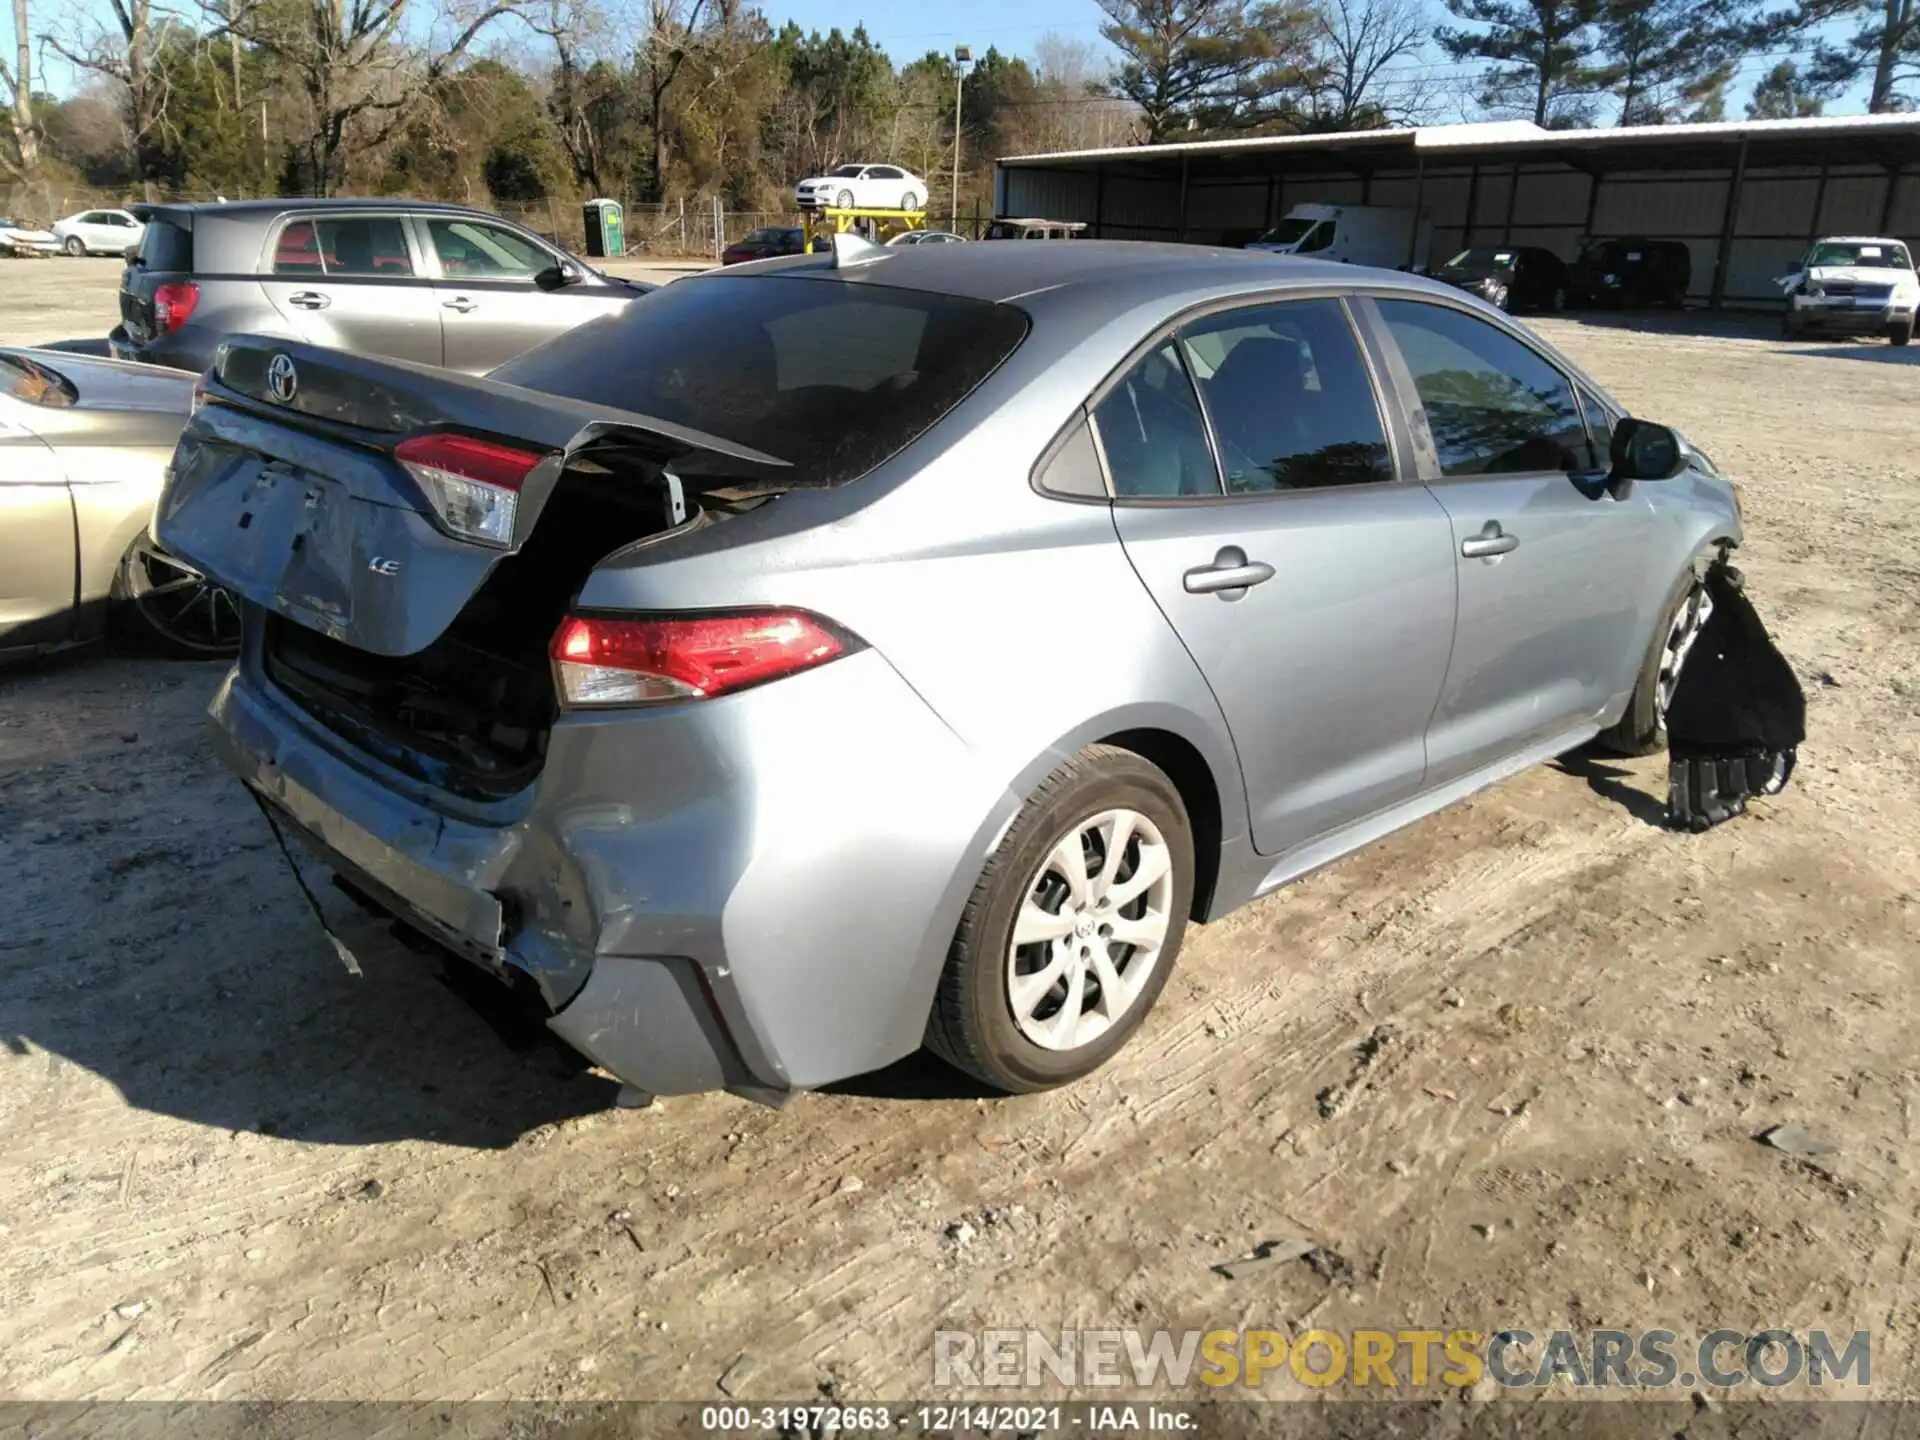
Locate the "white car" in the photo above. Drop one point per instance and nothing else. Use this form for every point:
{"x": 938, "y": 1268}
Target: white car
{"x": 862, "y": 187}
{"x": 1853, "y": 285}
{"x": 99, "y": 232}
{"x": 927, "y": 237}
{"x": 18, "y": 237}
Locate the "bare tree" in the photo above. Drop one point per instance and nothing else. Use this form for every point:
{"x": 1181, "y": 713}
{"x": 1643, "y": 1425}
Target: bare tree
{"x": 18, "y": 82}
{"x": 671, "y": 27}
{"x": 346, "y": 59}
{"x": 123, "y": 47}
{"x": 1357, "y": 43}
{"x": 578, "y": 31}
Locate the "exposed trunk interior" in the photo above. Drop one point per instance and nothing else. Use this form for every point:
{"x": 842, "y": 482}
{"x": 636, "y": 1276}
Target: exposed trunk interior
{"x": 471, "y": 712}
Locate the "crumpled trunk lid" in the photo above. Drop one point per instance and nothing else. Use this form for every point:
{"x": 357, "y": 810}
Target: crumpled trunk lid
{"x": 285, "y": 486}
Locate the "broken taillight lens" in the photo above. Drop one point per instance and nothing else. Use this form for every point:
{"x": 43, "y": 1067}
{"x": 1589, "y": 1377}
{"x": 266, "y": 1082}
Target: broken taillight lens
{"x": 173, "y": 304}
{"x": 473, "y": 485}
{"x": 600, "y": 661}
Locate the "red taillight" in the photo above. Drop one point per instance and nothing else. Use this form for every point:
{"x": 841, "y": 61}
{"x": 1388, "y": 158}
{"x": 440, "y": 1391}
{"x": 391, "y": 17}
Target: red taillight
{"x": 473, "y": 485}
{"x": 639, "y": 662}
{"x": 173, "y": 304}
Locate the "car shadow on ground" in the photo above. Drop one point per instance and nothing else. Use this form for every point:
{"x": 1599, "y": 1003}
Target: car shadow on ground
{"x": 91, "y": 345}
{"x": 1875, "y": 350}
{"x": 154, "y": 937}
{"x": 1740, "y": 325}
{"x": 1610, "y": 780}
{"x": 921, "y": 1076}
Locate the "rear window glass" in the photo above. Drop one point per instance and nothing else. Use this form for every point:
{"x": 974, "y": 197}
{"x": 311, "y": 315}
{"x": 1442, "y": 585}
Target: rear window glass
{"x": 166, "y": 246}
{"x": 832, "y": 377}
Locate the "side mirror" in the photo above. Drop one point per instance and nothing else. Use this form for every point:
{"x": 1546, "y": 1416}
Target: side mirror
{"x": 1642, "y": 450}
{"x": 557, "y": 276}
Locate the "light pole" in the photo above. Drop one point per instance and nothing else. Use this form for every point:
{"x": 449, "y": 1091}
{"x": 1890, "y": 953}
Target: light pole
{"x": 962, "y": 57}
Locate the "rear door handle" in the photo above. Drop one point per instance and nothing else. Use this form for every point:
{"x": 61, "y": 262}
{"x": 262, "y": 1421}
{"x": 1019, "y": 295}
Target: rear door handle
{"x": 1229, "y": 576}
{"x": 460, "y": 303}
{"x": 1490, "y": 543}
{"x": 309, "y": 300}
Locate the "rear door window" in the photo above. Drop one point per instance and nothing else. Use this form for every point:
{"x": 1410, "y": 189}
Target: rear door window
{"x": 297, "y": 252}
{"x": 1494, "y": 405}
{"x": 1292, "y": 405}
{"x": 1153, "y": 434}
{"x": 364, "y": 245}
{"x": 829, "y": 375}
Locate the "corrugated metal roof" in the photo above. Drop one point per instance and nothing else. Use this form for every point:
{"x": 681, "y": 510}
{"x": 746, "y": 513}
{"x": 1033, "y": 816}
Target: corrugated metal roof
{"x": 1504, "y": 136}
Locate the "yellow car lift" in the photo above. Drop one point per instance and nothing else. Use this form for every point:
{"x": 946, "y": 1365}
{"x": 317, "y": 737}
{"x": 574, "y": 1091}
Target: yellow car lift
{"x": 883, "y": 225}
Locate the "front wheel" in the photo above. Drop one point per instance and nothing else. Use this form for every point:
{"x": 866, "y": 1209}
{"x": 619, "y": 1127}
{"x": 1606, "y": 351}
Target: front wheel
{"x": 1642, "y": 729}
{"x": 164, "y": 605}
{"x": 1072, "y": 929}
{"x": 843, "y": 201}
{"x": 1900, "y": 334}
{"x": 75, "y": 246}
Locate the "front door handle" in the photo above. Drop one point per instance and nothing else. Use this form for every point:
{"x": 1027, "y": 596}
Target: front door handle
{"x": 1490, "y": 543}
{"x": 310, "y": 300}
{"x": 1228, "y": 576}
{"x": 460, "y": 303}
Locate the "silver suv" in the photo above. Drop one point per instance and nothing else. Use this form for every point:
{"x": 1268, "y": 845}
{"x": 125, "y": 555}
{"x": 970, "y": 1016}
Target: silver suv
{"x": 407, "y": 280}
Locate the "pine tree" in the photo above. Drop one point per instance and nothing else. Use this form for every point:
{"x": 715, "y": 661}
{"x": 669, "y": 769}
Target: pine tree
{"x": 1543, "y": 55}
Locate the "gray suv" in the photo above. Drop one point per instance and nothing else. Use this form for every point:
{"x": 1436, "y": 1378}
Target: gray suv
{"x": 437, "y": 284}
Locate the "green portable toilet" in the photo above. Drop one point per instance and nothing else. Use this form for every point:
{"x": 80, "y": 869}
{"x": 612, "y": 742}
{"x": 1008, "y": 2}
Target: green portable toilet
{"x": 606, "y": 228}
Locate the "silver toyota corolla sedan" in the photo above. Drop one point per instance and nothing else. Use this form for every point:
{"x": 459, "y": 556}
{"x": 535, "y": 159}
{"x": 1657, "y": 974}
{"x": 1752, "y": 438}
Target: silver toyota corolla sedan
{"x": 839, "y": 654}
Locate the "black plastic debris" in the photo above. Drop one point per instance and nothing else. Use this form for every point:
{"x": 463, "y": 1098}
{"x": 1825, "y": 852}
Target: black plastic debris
{"x": 1737, "y": 716}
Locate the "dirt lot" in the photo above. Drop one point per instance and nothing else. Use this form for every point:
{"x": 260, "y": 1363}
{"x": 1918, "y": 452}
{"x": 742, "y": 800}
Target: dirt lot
{"x": 1509, "y": 1064}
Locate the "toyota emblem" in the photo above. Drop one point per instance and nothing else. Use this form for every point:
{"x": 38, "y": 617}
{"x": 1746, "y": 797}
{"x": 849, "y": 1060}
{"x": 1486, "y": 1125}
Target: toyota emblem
{"x": 282, "y": 379}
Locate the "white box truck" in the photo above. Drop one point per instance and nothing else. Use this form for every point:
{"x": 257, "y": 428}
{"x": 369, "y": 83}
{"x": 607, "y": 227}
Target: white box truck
{"x": 1391, "y": 236}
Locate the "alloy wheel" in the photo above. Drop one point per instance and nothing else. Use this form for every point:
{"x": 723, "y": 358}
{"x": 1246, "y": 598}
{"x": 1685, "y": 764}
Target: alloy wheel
{"x": 178, "y": 603}
{"x": 1688, "y": 620}
{"x": 1090, "y": 929}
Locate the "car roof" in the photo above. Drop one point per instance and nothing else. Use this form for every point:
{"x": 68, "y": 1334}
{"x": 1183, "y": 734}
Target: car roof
{"x": 1858, "y": 240}
{"x": 266, "y": 209}
{"x": 1121, "y": 272}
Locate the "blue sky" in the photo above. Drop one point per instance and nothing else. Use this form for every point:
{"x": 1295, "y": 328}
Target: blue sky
{"x": 907, "y": 28}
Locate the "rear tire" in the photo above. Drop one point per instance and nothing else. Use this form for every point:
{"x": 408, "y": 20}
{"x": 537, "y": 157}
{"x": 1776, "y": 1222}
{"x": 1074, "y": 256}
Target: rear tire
{"x": 1085, "y": 995}
{"x": 1642, "y": 727}
{"x": 909, "y": 201}
{"x": 75, "y": 246}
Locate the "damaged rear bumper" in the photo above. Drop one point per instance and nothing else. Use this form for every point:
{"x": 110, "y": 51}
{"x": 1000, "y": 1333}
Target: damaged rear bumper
{"x": 731, "y": 895}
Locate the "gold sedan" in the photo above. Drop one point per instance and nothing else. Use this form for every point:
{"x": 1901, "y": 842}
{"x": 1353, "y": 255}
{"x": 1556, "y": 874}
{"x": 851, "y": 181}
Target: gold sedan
{"x": 84, "y": 445}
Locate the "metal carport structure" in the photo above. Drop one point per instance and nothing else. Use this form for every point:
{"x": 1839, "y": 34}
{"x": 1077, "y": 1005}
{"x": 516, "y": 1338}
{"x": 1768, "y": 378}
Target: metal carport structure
{"x": 1745, "y": 197}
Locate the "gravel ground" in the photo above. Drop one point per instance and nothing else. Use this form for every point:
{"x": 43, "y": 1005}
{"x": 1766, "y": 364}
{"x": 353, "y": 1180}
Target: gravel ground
{"x": 1508, "y": 1064}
